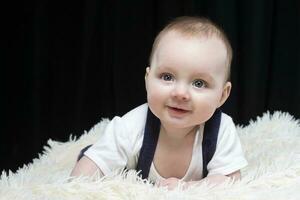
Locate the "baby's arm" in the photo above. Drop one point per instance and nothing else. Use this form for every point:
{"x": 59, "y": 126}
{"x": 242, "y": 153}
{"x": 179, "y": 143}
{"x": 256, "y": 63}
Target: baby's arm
{"x": 86, "y": 167}
{"x": 215, "y": 179}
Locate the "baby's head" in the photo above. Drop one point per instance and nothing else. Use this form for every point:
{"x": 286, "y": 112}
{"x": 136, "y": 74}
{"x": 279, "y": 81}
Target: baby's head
{"x": 196, "y": 27}
{"x": 189, "y": 72}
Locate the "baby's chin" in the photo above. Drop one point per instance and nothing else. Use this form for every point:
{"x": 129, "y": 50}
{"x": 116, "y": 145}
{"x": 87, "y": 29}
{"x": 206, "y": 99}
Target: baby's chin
{"x": 176, "y": 123}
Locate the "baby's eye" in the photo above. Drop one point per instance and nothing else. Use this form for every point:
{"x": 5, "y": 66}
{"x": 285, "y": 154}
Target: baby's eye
{"x": 199, "y": 83}
{"x": 167, "y": 77}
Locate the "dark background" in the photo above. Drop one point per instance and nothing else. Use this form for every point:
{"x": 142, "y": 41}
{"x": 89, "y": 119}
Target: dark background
{"x": 67, "y": 64}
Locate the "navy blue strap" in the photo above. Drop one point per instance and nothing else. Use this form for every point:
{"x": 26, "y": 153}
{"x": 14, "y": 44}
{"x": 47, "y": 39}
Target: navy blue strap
{"x": 210, "y": 138}
{"x": 151, "y": 134}
{"x": 81, "y": 153}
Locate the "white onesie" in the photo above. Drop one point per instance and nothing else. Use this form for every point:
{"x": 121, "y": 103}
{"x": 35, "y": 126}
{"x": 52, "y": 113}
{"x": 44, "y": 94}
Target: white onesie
{"x": 120, "y": 144}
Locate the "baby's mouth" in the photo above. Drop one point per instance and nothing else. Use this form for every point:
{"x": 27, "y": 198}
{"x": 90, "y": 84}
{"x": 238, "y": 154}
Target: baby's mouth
{"x": 178, "y": 110}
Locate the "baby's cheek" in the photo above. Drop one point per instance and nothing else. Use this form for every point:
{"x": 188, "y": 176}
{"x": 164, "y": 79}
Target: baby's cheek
{"x": 156, "y": 92}
{"x": 153, "y": 101}
{"x": 207, "y": 99}
{"x": 152, "y": 97}
{"x": 205, "y": 107}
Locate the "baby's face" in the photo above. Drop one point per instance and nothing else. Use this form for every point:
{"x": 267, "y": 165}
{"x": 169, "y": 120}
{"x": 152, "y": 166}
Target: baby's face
{"x": 186, "y": 80}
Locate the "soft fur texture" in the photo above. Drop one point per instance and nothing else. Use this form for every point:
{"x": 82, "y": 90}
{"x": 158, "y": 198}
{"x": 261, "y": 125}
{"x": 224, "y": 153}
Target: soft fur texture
{"x": 271, "y": 145}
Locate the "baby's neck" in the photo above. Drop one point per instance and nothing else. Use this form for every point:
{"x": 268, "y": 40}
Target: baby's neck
{"x": 177, "y": 137}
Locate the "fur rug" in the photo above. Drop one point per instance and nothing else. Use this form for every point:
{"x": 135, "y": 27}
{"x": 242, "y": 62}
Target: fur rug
{"x": 271, "y": 144}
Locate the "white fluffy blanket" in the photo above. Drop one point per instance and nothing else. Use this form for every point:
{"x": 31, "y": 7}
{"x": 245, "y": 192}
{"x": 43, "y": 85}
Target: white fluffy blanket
{"x": 271, "y": 144}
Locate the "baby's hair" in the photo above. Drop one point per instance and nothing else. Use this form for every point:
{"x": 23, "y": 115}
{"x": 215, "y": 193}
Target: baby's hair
{"x": 195, "y": 26}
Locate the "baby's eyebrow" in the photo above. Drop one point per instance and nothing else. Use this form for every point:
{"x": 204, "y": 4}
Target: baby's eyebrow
{"x": 164, "y": 68}
{"x": 206, "y": 76}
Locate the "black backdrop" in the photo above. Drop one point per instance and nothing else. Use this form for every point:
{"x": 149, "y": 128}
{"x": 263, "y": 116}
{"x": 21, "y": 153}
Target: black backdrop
{"x": 67, "y": 65}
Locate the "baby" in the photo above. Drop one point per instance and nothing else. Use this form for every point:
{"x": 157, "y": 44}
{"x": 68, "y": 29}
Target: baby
{"x": 180, "y": 134}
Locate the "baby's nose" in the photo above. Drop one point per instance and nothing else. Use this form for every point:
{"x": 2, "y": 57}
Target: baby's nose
{"x": 181, "y": 92}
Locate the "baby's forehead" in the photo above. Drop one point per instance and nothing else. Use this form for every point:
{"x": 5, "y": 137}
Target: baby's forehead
{"x": 176, "y": 34}
{"x": 173, "y": 42}
{"x": 182, "y": 50}
{"x": 175, "y": 39}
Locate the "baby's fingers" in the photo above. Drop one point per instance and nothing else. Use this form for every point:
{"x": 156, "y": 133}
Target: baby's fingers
{"x": 170, "y": 183}
{"x": 161, "y": 183}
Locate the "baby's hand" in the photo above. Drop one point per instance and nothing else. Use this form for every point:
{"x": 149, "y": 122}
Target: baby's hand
{"x": 216, "y": 179}
{"x": 170, "y": 183}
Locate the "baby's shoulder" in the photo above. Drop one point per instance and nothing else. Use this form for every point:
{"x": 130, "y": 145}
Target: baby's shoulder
{"x": 226, "y": 119}
{"x": 134, "y": 125}
{"x": 133, "y": 122}
{"x": 227, "y": 124}
{"x": 136, "y": 116}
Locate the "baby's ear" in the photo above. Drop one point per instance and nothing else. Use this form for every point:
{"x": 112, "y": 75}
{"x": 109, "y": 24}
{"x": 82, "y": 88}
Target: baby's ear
{"x": 147, "y": 72}
{"x": 225, "y": 93}
{"x": 146, "y": 77}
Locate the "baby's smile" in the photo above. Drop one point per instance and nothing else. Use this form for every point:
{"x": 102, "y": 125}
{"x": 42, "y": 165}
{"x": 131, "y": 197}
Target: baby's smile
{"x": 177, "y": 111}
